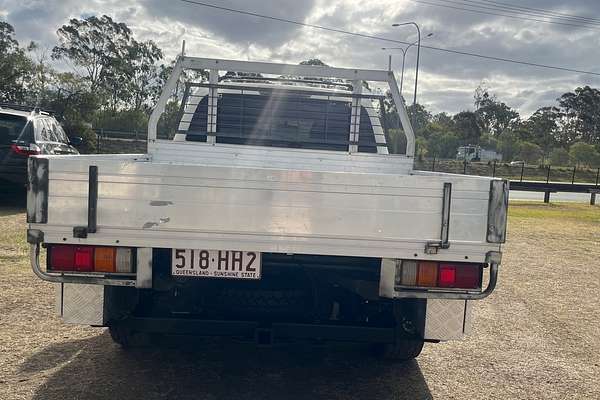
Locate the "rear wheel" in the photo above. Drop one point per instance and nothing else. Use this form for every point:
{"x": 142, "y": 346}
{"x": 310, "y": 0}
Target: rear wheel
{"x": 128, "y": 338}
{"x": 402, "y": 350}
{"x": 408, "y": 342}
{"x": 120, "y": 335}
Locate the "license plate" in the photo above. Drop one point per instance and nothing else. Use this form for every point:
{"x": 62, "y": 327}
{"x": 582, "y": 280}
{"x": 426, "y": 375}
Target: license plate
{"x": 227, "y": 264}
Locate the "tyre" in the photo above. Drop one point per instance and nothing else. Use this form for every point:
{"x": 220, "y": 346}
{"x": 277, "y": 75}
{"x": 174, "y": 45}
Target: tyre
{"x": 128, "y": 338}
{"x": 402, "y": 350}
{"x": 120, "y": 335}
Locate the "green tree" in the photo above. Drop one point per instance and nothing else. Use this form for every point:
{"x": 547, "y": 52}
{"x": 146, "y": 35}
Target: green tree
{"x": 488, "y": 142}
{"x": 129, "y": 120}
{"x": 443, "y": 145}
{"x": 442, "y": 142}
{"x": 582, "y": 153}
{"x": 124, "y": 71}
{"x": 41, "y": 75}
{"x": 419, "y": 117}
{"x": 143, "y": 72}
{"x": 69, "y": 96}
{"x": 313, "y": 61}
{"x": 98, "y": 45}
{"x": 389, "y": 115}
{"x": 390, "y": 120}
{"x": 421, "y": 149}
{"x": 559, "y": 156}
{"x": 580, "y": 111}
{"x": 494, "y": 116}
{"x": 467, "y": 127}
{"x": 444, "y": 120}
{"x": 432, "y": 128}
{"x": 396, "y": 141}
{"x": 541, "y": 128}
{"x": 186, "y": 77}
{"x": 530, "y": 152}
{"x": 16, "y": 69}
{"x": 508, "y": 145}
{"x": 169, "y": 120}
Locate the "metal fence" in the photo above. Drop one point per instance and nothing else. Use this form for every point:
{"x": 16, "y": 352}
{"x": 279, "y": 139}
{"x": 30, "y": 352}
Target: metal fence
{"x": 515, "y": 172}
{"x": 114, "y": 141}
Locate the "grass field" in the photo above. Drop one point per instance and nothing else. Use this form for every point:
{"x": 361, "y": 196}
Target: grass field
{"x": 576, "y": 212}
{"x": 537, "y": 336}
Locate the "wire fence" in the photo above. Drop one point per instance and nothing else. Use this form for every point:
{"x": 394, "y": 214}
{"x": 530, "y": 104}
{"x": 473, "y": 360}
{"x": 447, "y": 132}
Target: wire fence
{"x": 513, "y": 171}
{"x": 110, "y": 141}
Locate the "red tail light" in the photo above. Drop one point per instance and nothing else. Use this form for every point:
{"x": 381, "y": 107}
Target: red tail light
{"x": 447, "y": 275}
{"x": 84, "y": 259}
{"x": 461, "y": 276}
{"x": 65, "y": 258}
{"x": 468, "y": 276}
{"x": 62, "y": 258}
{"x": 440, "y": 275}
{"x": 25, "y": 150}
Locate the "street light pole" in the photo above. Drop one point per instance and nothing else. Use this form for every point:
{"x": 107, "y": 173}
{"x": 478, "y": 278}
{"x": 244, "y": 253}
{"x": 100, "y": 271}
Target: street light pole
{"x": 404, "y": 50}
{"x": 417, "y": 66}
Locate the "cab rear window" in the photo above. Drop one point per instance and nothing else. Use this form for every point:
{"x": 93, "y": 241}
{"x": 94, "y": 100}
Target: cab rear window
{"x": 282, "y": 120}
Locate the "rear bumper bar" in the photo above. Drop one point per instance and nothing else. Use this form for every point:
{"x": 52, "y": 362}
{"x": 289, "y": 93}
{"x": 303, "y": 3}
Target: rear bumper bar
{"x": 249, "y": 329}
{"x": 400, "y": 292}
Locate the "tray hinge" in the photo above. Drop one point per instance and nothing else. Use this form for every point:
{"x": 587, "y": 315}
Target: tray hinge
{"x": 432, "y": 247}
{"x": 83, "y": 231}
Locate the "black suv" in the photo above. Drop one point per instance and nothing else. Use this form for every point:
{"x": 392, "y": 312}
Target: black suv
{"x": 25, "y": 131}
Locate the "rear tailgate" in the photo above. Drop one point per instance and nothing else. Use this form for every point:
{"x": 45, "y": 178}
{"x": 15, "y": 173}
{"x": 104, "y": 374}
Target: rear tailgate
{"x": 151, "y": 204}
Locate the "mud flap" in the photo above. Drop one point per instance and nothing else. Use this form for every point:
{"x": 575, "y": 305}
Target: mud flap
{"x": 447, "y": 319}
{"x": 80, "y": 304}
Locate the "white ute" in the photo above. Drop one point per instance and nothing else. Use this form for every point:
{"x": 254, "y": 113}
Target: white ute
{"x": 275, "y": 214}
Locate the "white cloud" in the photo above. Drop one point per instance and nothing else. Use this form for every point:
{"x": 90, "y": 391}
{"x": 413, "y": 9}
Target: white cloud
{"x": 446, "y": 81}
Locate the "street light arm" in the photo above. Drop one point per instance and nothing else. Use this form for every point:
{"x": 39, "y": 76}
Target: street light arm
{"x": 402, "y": 49}
{"x": 418, "y": 57}
{"x": 409, "y": 46}
{"x": 408, "y": 23}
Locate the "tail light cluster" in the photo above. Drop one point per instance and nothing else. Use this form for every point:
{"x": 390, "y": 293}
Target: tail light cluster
{"x": 26, "y": 151}
{"x": 433, "y": 274}
{"x": 70, "y": 258}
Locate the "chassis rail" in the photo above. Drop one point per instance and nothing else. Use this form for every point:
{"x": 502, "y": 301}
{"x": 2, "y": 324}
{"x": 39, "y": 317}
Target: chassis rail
{"x": 276, "y": 331}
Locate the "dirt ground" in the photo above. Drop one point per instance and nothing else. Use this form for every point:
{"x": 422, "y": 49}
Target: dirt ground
{"x": 537, "y": 336}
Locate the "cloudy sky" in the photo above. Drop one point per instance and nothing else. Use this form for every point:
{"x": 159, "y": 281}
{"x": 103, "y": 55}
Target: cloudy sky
{"x": 446, "y": 81}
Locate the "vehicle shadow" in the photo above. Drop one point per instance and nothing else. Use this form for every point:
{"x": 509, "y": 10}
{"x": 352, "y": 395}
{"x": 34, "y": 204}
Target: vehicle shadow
{"x": 96, "y": 368}
{"x": 13, "y": 199}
